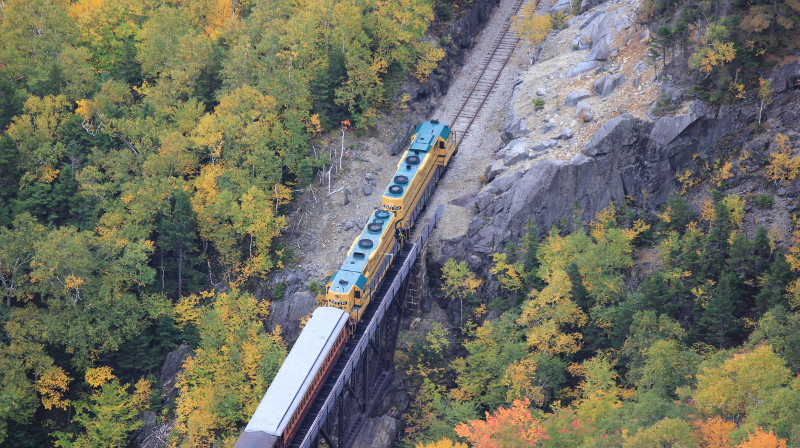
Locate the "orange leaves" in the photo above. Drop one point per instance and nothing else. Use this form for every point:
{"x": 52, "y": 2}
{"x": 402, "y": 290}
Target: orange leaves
{"x": 444, "y": 443}
{"x": 714, "y": 432}
{"x": 762, "y": 439}
{"x": 507, "y": 427}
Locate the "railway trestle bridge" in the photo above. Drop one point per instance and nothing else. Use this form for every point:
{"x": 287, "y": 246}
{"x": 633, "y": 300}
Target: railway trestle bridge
{"x": 366, "y": 365}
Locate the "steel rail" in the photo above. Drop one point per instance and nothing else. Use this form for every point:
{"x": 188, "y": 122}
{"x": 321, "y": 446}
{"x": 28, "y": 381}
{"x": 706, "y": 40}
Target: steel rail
{"x": 507, "y": 40}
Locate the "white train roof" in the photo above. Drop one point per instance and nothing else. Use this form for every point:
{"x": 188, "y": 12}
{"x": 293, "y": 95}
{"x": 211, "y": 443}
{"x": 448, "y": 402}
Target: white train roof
{"x": 298, "y": 371}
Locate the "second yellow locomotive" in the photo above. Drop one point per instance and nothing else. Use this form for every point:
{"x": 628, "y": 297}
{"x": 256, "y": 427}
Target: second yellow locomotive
{"x": 351, "y": 287}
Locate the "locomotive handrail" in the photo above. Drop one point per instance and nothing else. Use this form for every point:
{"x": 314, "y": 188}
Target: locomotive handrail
{"x": 361, "y": 346}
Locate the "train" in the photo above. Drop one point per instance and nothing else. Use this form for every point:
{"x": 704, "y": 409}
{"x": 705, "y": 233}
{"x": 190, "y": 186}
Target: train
{"x": 349, "y": 290}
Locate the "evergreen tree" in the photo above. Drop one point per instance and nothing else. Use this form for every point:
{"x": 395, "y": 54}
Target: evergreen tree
{"x": 773, "y": 286}
{"x": 717, "y": 324}
{"x": 178, "y": 261}
{"x": 715, "y": 243}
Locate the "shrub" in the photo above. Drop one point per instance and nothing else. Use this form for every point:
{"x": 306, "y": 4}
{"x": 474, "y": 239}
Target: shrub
{"x": 279, "y": 291}
{"x": 764, "y": 201}
{"x": 538, "y": 103}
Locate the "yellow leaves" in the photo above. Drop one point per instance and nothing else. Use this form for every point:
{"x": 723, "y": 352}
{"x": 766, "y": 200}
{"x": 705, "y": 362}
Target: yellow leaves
{"x": 532, "y": 27}
{"x": 605, "y": 219}
{"x": 714, "y": 432}
{"x": 142, "y": 392}
{"x": 762, "y": 439}
{"x": 81, "y": 7}
{"x": 51, "y": 385}
{"x": 666, "y": 215}
{"x": 721, "y": 172}
{"x": 519, "y": 378}
{"x": 99, "y": 376}
{"x": 728, "y": 389}
{"x": 428, "y": 57}
{"x": 508, "y": 274}
{"x": 793, "y": 258}
{"x": 72, "y": 282}
{"x": 314, "y": 125}
{"x": 549, "y": 312}
{"x": 783, "y": 166}
{"x": 708, "y": 57}
{"x": 735, "y": 205}
{"x": 458, "y": 281}
{"x": 637, "y": 229}
{"x": 685, "y": 181}
{"x": 707, "y": 212}
{"x": 229, "y": 372}
{"x": 187, "y": 310}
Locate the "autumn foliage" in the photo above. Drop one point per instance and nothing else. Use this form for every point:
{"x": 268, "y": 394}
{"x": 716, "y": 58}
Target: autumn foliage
{"x": 507, "y": 427}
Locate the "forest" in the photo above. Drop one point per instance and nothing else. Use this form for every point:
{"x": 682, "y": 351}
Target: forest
{"x": 149, "y": 151}
{"x": 149, "y": 155}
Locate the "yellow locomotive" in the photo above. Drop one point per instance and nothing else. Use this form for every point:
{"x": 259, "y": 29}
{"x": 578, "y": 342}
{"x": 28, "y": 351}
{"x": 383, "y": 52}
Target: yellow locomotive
{"x": 351, "y": 287}
{"x": 432, "y": 146}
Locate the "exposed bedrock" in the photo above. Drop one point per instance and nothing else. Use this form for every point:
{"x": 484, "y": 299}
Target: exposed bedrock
{"x": 627, "y": 156}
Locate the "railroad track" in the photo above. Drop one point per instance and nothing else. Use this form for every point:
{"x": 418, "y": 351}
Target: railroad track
{"x": 485, "y": 82}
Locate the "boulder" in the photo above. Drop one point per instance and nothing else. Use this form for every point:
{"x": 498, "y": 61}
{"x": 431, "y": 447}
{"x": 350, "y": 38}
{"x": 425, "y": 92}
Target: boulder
{"x": 496, "y": 168}
{"x": 514, "y": 130}
{"x": 589, "y": 4}
{"x": 626, "y": 158}
{"x": 515, "y": 152}
{"x": 618, "y": 133}
{"x": 565, "y": 134}
{"x": 582, "y": 67}
{"x": 605, "y": 86}
{"x": 575, "y": 96}
{"x": 786, "y": 77}
{"x": 541, "y": 92}
{"x": 601, "y": 51}
{"x": 560, "y": 5}
{"x": 583, "y": 111}
{"x": 172, "y": 366}
{"x": 346, "y": 196}
{"x": 367, "y": 190}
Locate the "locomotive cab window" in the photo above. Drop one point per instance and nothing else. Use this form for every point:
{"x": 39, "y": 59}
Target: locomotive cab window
{"x": 358, "y": 294}
{"x": 441, "y": 144}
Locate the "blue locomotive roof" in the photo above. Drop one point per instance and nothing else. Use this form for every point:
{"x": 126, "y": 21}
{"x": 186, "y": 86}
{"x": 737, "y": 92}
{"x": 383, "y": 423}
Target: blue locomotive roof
{"x": 426, "y": 135}
{"x": 353, "y": 267}
{"x": 343, "y": 281}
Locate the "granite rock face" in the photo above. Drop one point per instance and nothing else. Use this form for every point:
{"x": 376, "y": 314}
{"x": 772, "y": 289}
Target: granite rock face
{"x": 289, "y": 311}
{"x": 379, "y": 432}
{"x": 627, "y": 156}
